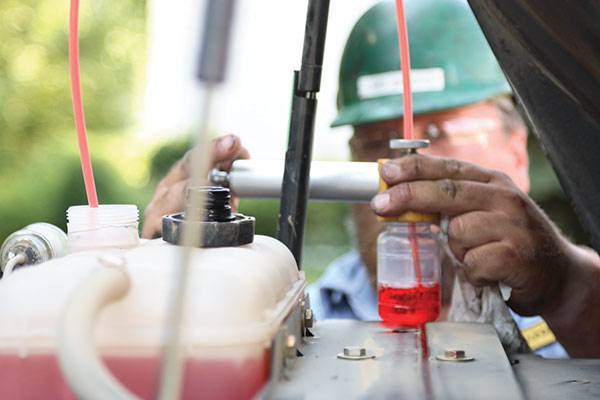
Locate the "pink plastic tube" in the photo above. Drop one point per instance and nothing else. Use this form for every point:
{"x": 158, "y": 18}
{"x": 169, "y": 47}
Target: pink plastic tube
{"x": 408, "y": 117}
{"x": 405, "y": 67}
{"x": 84, "y": 153}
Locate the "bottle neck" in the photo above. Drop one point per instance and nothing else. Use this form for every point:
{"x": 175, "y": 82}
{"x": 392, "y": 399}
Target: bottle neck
{"x": 404, "y": 227}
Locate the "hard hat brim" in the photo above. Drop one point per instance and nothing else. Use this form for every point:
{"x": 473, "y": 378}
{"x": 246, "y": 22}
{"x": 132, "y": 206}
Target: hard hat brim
{"x": 390, "y": 107}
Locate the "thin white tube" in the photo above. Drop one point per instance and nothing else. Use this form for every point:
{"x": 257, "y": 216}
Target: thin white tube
{"x": 84, "y": 372}
{"x": 171, "y": 373}
{"x": 12, "y": 263}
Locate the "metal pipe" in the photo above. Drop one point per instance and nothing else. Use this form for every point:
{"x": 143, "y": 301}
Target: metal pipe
{"x": 354, "y": 182}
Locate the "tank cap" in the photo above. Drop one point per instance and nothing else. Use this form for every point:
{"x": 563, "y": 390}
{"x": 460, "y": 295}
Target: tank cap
{"x": 220, "y": 226}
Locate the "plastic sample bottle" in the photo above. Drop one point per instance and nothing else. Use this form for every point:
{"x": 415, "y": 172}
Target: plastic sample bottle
{"x": 106, "y": 226}
{"x": 408, "y": 274}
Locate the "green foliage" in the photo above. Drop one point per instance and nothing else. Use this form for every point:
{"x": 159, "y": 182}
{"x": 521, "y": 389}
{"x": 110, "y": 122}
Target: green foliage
{"x": 35, "y": 99}
{"x": 40, "y": 174}
{"x": 266, "y": 213}
{"x": 50, "y": 183}
{"x": 325, "y": 235}
{"x": 325, "y": 222}
{"x": 166, "y": 155}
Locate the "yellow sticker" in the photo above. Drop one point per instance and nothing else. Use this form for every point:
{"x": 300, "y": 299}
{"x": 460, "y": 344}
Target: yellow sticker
{"x": 538, "y": 336}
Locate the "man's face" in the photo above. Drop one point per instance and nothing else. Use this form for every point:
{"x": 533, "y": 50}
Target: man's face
{"x": 475, "y": 133}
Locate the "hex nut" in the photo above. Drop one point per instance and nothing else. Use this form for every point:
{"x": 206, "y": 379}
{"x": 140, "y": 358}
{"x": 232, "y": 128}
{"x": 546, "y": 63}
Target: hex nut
{"x": 355, "y": 353}
{"x": 308, "y": 318}
{"x": 454, "y": 355}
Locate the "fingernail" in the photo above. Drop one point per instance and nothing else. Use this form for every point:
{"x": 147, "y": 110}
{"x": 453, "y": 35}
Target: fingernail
{"x": 380, "y": 202}
{"x": 226, "y": 143}
{"x": 390, "y": 171}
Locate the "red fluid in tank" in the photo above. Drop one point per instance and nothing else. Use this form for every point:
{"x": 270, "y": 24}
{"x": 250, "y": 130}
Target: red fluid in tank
{"x": 409, "y": 306}
{"x": 38, "y": 376}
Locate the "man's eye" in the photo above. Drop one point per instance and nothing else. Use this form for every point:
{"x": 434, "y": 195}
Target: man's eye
{"x": 377, "y": 144}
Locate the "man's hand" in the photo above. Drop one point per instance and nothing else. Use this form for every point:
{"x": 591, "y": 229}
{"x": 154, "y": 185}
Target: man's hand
{"x": 170, "y": 193}
{"x": 496, "y": 231}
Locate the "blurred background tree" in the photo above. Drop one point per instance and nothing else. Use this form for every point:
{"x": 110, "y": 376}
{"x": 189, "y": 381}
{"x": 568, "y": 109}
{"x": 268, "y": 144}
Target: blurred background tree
{"x": 40, "y": 174}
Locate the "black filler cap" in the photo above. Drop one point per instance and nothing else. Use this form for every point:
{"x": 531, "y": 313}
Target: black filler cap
{"x": 221, "y": 227}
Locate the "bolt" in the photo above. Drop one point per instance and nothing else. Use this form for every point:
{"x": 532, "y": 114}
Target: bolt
{"x": 308, "y": 318}
{"x": 355, "y": 351}
{"x": 455, "y": 354}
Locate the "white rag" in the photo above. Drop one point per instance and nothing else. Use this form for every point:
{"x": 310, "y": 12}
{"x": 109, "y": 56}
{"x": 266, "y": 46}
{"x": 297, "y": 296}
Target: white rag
{"x": 485, "y": 305}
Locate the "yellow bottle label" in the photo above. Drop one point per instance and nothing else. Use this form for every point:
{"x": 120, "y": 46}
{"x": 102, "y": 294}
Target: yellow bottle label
{"x": 538, "y": 336}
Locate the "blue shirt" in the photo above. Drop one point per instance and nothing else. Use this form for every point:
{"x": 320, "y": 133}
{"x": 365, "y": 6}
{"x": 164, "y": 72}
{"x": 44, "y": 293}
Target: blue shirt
{"x": 344, "y": 291}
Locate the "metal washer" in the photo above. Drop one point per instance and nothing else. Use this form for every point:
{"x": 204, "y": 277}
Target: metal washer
{"x": 406, "y": 144}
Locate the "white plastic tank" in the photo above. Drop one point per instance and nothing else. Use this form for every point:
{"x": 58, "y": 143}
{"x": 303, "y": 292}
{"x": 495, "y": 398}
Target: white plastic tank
{"x": 238, "y": 299}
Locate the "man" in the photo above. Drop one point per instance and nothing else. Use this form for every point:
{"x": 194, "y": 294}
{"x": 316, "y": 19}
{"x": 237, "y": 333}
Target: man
{"x": 462, "y": 106}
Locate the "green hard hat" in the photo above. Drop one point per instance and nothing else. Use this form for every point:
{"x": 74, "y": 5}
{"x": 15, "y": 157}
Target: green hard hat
{"x": 452, "y": 64}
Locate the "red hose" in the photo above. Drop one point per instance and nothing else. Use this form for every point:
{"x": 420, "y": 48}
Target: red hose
{"x": 84, "y": 154}
{"x": 405, "y": 68}
{"x": 408, "y": 118}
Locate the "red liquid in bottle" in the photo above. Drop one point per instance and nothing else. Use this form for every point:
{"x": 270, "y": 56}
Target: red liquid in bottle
{"x": 409, "y": 306}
